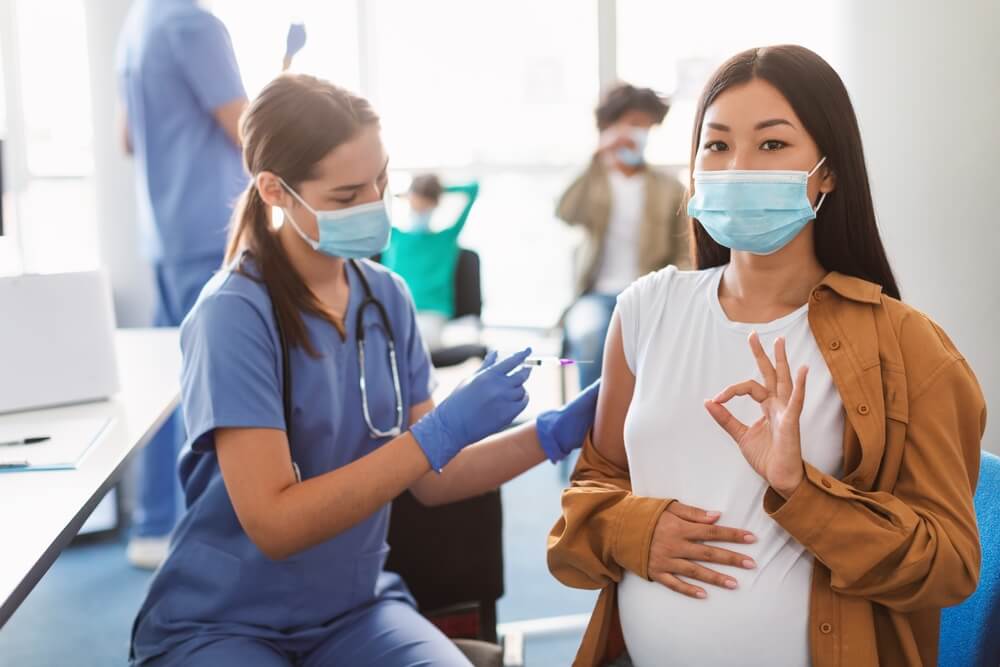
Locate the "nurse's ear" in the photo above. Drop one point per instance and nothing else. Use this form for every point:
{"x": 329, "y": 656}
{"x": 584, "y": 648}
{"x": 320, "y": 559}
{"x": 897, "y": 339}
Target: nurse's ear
{"x": 271, "y": 191}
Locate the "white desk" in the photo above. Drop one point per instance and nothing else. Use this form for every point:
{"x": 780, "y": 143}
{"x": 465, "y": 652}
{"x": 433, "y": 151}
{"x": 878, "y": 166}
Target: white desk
{"x": 40, "y": 512}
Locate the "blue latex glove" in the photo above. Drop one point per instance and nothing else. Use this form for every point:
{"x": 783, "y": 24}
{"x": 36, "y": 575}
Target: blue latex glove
{"x": 483, "y": 405}
{"x": 296, "y": 39}
{"x": 563, "y": 430}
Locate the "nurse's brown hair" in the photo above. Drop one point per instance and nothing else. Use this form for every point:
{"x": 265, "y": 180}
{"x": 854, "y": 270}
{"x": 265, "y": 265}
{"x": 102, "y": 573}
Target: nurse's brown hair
{"x": 845, "y": 231}
{"x": 293, "y": 124}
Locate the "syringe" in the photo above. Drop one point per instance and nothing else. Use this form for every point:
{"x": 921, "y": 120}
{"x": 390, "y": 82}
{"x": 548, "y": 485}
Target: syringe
{"x": 552, "y": 361}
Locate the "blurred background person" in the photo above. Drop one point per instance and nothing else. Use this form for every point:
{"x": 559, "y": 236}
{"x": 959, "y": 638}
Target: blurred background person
{"x": 630, "y": 213}
{"x": 424, "y": 251}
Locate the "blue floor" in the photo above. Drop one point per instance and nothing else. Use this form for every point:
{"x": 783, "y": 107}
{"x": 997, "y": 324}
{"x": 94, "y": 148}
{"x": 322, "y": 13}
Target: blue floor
{"x": 81, "y": 612}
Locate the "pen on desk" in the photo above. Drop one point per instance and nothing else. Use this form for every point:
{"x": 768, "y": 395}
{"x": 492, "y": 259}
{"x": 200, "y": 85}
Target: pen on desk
{"x": 25, "y": 441}
{"x": 8, "y": 465}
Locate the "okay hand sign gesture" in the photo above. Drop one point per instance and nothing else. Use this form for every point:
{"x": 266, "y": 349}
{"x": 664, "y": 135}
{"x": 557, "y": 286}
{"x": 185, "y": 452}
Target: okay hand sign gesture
{"x": 771, "y": 445}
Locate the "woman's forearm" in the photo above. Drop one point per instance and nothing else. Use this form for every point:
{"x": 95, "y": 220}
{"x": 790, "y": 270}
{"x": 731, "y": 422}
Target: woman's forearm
{"x": 482, "y": 467}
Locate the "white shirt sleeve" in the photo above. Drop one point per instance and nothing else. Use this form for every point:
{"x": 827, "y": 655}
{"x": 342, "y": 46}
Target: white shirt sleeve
{"x": 639, "y": 297}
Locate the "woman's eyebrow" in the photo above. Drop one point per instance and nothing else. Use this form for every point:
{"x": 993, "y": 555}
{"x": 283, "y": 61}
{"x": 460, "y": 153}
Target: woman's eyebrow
{"x": 771, "y": 123}
{"x": 759, "y": 126}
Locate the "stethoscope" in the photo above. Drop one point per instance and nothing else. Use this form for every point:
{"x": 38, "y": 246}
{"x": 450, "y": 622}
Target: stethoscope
{"x": 286, "y": 367}
{"x": 370, "y": 300}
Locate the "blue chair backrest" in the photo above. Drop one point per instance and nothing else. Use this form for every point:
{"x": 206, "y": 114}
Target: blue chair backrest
{"x": 970, "y": 632}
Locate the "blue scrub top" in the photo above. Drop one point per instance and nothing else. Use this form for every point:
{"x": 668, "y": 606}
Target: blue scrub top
{"x": 175, "y": 67}
{"x": 215, "y": 579}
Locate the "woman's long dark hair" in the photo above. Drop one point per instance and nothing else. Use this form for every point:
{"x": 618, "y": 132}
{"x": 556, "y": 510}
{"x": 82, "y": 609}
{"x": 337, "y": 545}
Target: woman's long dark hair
{"x": 846, "y": 234}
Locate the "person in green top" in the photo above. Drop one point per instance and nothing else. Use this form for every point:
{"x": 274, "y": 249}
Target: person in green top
{"x": 426, "y": 255}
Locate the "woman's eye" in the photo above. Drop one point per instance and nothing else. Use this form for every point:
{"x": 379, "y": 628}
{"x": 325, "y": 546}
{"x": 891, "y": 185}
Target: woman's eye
{"x": 345, "y": 201}
{"x": 773, "y": 145}
{"x": 716, "y": 146}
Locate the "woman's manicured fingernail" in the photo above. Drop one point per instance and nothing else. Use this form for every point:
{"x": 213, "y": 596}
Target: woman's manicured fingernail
{"x": 749, "y": 564}
{"x": 749, "y": 539}
{"x": 713, "y": 515}
{"x": 731, "y": 584}
{"x": 701, "y": 595}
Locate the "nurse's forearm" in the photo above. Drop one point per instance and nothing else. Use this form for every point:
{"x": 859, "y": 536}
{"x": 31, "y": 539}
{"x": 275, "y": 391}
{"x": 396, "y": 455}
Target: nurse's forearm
{"x": 301, "y": 515}
{"x": 482, "y": 467}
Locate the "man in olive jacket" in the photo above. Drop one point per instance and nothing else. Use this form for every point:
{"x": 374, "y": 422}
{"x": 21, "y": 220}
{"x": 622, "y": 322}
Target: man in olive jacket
{"x": 632, "y": 216}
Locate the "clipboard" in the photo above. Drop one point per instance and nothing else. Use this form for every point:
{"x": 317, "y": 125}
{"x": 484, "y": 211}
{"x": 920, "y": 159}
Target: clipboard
{"x": 70, "y": 440}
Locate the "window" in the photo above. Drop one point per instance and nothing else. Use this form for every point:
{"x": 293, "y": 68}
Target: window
{"x": 53, "y": 120}
{"x": 259, "y": 33}
{"x": 461, "y": 83}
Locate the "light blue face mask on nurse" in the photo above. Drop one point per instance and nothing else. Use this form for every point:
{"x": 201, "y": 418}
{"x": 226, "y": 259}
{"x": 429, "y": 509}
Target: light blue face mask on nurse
{"x": 352, "y": 233}
{"x": 757, "y": 211}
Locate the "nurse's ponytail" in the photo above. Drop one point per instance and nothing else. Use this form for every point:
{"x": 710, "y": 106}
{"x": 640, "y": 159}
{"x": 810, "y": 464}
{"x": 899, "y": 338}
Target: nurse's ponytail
{"x": 292, "y": 125}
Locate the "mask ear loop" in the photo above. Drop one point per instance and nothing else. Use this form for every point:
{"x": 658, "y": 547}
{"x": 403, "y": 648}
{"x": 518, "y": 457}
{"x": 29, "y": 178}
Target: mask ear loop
{"x": 313, "y": 243}
{"x": 809, "y": 175}
{"x": 816, "y": 210}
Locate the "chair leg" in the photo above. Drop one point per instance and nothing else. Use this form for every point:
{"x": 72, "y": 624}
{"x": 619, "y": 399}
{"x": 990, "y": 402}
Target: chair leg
{"x": 513, "y": 650}
{"x": 488, "y": 620}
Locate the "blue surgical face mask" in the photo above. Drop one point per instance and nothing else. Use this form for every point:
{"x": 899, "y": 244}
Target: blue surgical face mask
{"x": 757, "y": 211}
{"x": 633, "y": 157}
{"x": 352, "y": 233}
{"x": 420, "y": 221}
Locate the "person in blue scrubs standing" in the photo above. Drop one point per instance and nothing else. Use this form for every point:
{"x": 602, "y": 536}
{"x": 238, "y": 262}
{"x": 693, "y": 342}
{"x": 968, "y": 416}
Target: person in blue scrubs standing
{"x": 182, "y": 97}
{"x": 306, "y": 394}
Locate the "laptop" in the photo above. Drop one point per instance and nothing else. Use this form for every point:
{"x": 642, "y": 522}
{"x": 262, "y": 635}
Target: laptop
{"x": 56, "y": 340}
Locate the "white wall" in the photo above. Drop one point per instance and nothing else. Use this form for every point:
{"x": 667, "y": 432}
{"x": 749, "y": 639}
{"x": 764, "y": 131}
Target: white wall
{"x": 924, "y": 76}
{"x": 115, "y": 190}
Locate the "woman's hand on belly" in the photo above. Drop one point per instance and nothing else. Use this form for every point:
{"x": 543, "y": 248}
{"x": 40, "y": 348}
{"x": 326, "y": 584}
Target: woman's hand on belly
{"x": 771, "y": 445}
{"x": 679, "y": 540}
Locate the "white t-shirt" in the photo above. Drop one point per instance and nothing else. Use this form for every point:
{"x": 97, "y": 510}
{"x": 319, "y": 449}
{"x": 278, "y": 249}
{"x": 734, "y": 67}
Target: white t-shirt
{"x": 682, "y": 349}
{"x": 620, "y": 257}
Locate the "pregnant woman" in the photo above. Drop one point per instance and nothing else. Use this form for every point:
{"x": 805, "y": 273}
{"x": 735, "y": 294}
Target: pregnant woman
{"x": 820, "y": 437}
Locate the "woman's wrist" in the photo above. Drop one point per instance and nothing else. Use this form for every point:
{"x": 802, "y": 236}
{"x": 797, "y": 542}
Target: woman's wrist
{"x": 786, "y": 487}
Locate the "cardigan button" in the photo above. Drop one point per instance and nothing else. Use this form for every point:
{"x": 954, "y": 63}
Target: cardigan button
{"x": 863, "y": 409}
{"x": 835, "y": 345}
{"x": 826, "y": 483}
{"x": 826, "y": 628}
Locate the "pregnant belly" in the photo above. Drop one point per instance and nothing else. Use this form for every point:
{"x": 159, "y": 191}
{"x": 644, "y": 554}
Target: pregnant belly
{"x": 764, "y": 622}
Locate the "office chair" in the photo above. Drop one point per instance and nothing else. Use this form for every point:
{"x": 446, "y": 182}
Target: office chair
{"x": 468, "y": 302}
{"x": 970, "y": 632}
{"x": 451, "y": 558}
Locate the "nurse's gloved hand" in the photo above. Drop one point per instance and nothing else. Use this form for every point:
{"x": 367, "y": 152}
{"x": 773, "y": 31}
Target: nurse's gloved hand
{"x": 563, "y": 430}
{"x": 486, "y": 403}
{"x": 295, "y": 40}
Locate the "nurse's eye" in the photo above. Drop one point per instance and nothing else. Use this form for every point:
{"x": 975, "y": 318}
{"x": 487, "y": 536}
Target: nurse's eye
{"x": 772, "y": 145}
{"x": 345, "y": 201}
{"x": 717, "y": 146}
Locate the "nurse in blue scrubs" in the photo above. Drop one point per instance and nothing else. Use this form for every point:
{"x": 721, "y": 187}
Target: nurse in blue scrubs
{"x": 307, "y": 402}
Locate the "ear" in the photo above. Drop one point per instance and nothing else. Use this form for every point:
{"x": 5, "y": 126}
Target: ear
{"x": 829, "y": 182}
{"x": 272, "y": 191}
